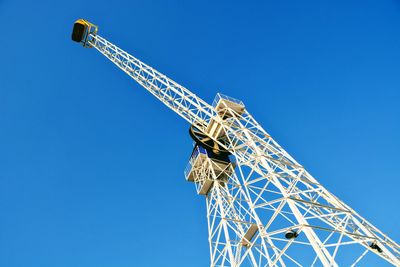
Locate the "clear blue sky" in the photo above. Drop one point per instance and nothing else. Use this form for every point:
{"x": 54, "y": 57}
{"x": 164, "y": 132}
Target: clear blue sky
{"x": 91, "y": 165}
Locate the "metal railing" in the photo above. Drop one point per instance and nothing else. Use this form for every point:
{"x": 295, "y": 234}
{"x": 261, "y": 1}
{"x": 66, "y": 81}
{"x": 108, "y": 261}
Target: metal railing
{"x": 220, "y": 96}
{"x": 196, "y": 151}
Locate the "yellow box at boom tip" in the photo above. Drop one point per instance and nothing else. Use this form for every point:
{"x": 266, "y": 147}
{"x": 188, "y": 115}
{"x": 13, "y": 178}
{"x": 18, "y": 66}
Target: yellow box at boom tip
{"x": 82, "y": 31}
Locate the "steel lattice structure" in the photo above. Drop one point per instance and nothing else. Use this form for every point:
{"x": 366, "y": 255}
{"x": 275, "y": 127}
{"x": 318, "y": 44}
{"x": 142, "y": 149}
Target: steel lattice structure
{"x": 263, "y": 207}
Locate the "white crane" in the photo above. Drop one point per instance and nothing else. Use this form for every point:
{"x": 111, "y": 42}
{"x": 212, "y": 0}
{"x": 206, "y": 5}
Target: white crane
{"x": 263, "y": 207}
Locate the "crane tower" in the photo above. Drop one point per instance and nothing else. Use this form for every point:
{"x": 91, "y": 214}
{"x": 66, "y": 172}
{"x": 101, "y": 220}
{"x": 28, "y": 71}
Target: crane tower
{"x": 263, "y": 207}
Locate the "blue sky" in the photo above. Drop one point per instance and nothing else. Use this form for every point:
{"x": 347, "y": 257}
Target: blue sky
{"x": 91, "y": 165}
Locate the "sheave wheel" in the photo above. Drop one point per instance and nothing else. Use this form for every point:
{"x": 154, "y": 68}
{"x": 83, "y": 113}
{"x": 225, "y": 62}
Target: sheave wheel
{"x": 205, "y": 141}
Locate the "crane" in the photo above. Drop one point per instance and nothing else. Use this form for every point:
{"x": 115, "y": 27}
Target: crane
{"x": 263, "y": 207}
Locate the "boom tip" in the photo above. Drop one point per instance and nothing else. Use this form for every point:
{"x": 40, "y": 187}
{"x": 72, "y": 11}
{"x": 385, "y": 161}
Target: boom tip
{"x": 83, "y": 32}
